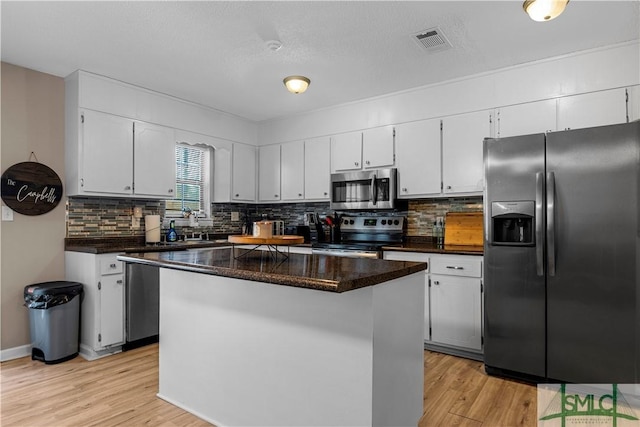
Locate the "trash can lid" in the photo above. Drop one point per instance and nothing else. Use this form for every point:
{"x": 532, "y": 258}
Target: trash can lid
{"x": 53, "y": 288}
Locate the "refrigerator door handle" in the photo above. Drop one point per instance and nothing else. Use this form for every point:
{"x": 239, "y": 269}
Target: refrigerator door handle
{"x": 551, "y": 229}
{"x": 539, "y": 225}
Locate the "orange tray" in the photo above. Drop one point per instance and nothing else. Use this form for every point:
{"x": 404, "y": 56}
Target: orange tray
{"x": 275, "y": 240}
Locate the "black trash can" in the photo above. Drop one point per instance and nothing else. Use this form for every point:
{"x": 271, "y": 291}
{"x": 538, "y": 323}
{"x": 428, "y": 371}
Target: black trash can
{"x": 54, "y": 320}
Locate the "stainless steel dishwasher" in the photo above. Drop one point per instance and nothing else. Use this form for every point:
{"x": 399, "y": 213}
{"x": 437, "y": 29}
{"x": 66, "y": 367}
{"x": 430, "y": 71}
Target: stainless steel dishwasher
{"x": 142, "y": 305}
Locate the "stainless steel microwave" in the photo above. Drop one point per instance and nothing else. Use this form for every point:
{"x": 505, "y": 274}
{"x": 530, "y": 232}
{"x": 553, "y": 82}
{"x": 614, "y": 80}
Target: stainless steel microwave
{"x": 369, "y": 189}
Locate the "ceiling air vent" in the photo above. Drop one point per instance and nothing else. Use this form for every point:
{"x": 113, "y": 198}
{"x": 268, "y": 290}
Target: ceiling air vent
{"x": 432, "y": 40}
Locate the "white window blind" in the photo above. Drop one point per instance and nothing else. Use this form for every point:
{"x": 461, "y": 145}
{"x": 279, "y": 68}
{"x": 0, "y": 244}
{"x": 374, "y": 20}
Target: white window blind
{"x": 191, "y": 180}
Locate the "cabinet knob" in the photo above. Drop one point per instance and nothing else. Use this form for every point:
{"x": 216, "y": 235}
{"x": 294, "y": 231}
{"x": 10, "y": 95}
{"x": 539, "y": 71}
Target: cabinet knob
{"x": 275, "y": 195}
{"x": 436, "y": 282}
{"x": 448, "y": 187}
{"x": 404, "y": 189}
{"x": 454, "y": 267}
{"x": 128, "y": 187}
{"x": 299, "y": 194}
{"x": 112, "y": 266}
{"x": 171, "y": 190}
{"x": 356, "y": 163}
{"x": 326, "y": 194}
{"x": 368, "y": 162}
{"x": 119, "y": 282}
{"x": 237, "y": 195}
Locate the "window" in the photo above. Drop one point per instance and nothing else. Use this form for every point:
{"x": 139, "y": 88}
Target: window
{"x": 192, "y": 181}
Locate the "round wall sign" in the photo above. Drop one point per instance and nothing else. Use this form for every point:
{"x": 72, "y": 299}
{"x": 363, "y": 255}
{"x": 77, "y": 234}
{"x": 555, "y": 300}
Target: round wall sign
{"x": 31, "y": 188}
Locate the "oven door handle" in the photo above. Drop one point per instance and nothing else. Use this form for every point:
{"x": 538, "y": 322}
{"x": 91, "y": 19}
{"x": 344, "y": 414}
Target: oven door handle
{"x": 374, "y": 189}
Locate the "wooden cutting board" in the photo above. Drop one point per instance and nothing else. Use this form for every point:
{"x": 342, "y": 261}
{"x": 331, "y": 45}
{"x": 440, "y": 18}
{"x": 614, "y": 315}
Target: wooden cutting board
{"x": 463, "y": 229}
{"x": 275, "y": 240}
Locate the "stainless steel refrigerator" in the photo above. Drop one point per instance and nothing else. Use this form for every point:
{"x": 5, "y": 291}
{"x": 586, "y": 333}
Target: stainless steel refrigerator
{"x": 562, "y": 258}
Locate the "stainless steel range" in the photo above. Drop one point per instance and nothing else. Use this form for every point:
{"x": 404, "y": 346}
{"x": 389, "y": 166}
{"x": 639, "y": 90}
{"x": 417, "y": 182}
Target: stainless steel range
{"x": 364, "y": 236}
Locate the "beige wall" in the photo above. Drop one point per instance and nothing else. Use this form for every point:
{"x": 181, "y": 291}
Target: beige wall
{"x": 31, "y": 247}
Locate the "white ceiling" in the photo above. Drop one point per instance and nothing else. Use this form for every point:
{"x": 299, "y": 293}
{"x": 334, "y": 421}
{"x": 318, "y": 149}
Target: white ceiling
{"x": 214, "y": 52}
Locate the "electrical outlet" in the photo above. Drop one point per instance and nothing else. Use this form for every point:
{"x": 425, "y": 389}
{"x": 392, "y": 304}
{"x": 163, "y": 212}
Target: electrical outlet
{"x": 235, "y": 216}
{"x": 7, "y": 213}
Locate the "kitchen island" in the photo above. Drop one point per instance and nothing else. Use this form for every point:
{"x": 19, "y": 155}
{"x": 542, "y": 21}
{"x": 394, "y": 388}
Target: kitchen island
{"x": 311, "y": 340}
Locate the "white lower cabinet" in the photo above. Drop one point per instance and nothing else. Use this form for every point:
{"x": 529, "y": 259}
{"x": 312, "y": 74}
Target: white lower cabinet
{"x": 102, "y": 312}
{"x": 453, "y": 300}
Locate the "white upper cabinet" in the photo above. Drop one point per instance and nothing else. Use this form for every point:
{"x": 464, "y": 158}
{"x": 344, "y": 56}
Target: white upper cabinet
{"x": 525, "y": 119}
{"x": 107, "y": 151}
{"x": 462, "y": 162}
{"x": 115, "y": 156}
{"x": 269, "y": 173}
{"x": 418, "y": 158}
{"x": 378, "y": 147}
{"x": 292, "y": 166}
{"x": 346, "y": 151}
{"x": 317, "y": 168}
{"x": 104, "y": 155}
{"x": 592, "y": 109}
{"x": 154, "y": 172}
{"x": 221, "y": 175}
{"x": 370, "y": 149}
{"x": 243, "y": 182}
{"x": 103, "y": 94}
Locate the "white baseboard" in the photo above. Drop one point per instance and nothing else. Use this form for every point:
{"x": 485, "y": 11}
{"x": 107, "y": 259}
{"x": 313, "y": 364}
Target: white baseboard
{"x": 15, "y": 353}
{"x": 186, "y": 408}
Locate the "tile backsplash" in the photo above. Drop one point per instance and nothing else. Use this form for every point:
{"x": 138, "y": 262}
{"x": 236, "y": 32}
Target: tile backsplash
{"x": 105, "y": 217}
{"x": 422, "y": 214}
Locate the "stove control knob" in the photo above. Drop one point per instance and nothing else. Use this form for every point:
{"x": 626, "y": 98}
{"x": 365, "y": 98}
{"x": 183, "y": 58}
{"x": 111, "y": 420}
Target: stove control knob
{"x": 396, "y": 222}
{"x": 384, "y": 222}
{"x": 351, "y": 221}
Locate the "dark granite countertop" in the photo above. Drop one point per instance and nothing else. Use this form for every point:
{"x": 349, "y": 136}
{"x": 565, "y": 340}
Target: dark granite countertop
{"x": 426, "y": 245}
{"x": 325, "y": 273}
{"x": 104, "y": 245}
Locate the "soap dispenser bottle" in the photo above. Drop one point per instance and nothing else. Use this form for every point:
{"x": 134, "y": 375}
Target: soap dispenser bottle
{"x": 172, "y": 236}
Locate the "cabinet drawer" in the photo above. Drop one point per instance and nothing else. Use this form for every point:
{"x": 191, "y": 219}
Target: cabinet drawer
{"x": 407, "y": 256}
{"x": 468, "y": 266}
{"x": 110, "y": 265}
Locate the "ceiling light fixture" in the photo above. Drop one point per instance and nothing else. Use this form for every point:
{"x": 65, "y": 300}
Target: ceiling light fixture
{"x": 296, "y": 84}
{"x": 544, "y": 10}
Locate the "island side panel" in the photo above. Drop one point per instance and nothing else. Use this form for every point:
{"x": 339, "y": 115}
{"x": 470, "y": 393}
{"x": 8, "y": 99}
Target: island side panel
{"x": 236, "y": 352}
{"x": 398, "y": 360}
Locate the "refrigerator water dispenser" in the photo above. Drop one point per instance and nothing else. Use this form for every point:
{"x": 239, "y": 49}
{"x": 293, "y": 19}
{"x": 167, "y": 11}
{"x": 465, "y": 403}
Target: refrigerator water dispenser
{"x": 513, "y": 223}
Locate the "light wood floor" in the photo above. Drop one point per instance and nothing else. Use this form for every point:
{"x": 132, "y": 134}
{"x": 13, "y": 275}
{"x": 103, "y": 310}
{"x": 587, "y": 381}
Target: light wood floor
{"x": 120, "y": 390}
